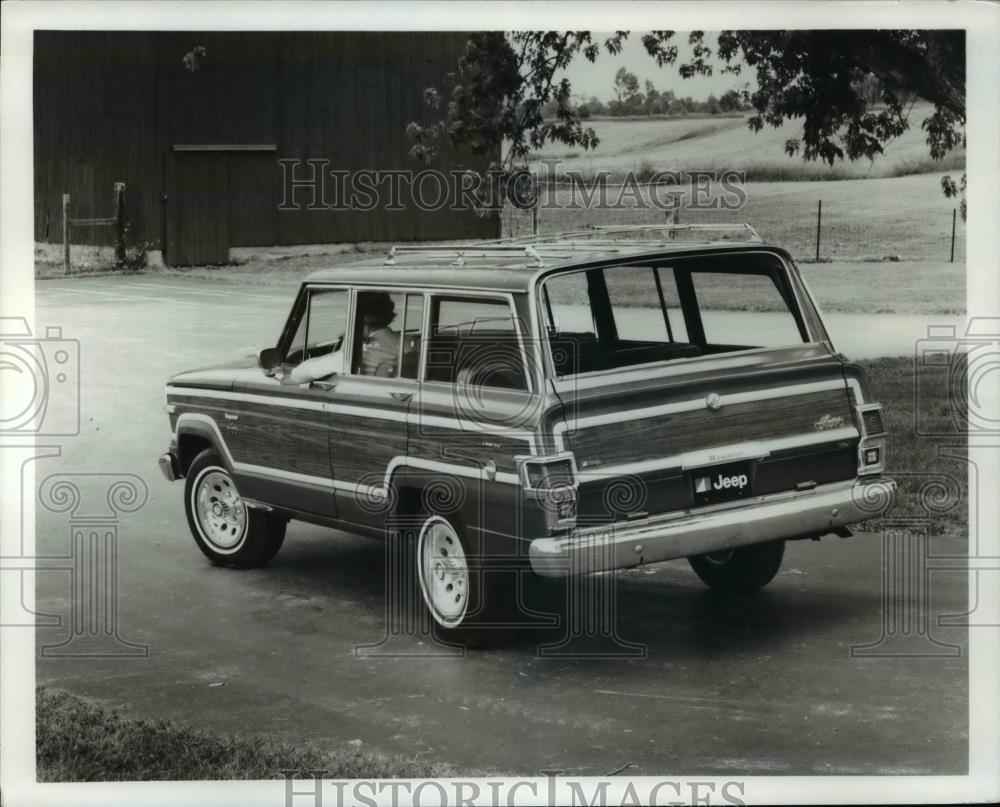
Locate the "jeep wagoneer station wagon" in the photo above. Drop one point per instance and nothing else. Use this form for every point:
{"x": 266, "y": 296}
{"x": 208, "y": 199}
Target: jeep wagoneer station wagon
{"x": 580, "y": 402}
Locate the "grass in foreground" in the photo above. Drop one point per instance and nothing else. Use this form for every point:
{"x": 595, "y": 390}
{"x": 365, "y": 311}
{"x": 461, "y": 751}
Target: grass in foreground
{"x": 930, "y": 467}
{"x": 80, "y": 742}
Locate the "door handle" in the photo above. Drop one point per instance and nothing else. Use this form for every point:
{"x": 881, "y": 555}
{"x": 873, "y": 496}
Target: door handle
{"x": 401, "y": 396}
{"x": 323, "y": 385}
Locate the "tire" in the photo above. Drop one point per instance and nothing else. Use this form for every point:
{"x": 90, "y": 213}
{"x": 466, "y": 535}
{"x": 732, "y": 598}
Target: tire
{"x": 740, "y": 571}
{"x": 227, "y": 531}
{"x": 467, "y": 604}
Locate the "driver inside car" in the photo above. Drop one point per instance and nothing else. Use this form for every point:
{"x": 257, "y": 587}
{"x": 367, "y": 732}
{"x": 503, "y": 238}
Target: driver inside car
{"x": 379, "y": 349}
{"x": 379, "y": 352}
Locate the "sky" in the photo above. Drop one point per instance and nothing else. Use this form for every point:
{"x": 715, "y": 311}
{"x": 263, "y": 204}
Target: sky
{"x": 598, "y": 79}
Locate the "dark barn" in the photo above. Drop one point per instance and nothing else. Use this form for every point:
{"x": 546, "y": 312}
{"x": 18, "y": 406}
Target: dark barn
{"x": 196, "y": 136}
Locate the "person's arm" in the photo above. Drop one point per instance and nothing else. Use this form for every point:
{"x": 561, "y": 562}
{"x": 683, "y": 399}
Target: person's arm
{"x": 320, "y": 367}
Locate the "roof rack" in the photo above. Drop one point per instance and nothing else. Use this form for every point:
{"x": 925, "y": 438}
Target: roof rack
{"x": 671, "y": 230}
{"x": 462, "y": 254}
{"x": 534, "y": 248}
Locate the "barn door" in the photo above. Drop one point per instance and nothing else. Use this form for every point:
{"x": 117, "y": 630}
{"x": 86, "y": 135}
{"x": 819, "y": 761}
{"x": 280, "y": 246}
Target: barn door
{"x": 197, "y": 208}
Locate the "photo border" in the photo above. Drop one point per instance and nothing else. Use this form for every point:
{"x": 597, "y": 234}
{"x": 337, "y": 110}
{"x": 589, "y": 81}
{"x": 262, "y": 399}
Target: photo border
{"x": 17, "y": 648}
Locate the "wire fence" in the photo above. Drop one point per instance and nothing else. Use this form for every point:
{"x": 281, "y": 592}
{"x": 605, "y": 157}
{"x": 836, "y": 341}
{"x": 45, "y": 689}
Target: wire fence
{"x": 875, "y": 228}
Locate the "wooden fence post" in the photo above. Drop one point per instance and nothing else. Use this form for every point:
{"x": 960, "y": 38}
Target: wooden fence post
{"x": 954, "y": 216}
{"x": 819, "y": 223}
{"x": 65, "y": 210}
{"x": 119, "y": 209}
{"x": 673, "y": 217}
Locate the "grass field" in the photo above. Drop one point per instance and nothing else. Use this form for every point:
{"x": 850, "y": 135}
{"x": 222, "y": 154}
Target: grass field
{"x": 863, "y": 220}
{"x": 629, "y": 144}
{"x": 80, "y": 742}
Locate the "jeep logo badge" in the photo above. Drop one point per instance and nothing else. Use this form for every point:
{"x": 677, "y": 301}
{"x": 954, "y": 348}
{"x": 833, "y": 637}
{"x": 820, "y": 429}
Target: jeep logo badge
{"x": 704, "y": 484}
{"x": 713, "y": 401}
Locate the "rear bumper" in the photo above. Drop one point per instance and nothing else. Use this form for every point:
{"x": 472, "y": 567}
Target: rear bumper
{"x": 170, "y": 466}
{"x": 679, "y": 535}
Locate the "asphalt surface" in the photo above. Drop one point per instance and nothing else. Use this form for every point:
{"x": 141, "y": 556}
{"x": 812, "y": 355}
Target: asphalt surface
{"x": 761, "y": 686}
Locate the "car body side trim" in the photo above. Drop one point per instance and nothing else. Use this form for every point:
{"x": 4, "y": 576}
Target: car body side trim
{"x": 372, "y": 491}
{"x": 343, "y": 409}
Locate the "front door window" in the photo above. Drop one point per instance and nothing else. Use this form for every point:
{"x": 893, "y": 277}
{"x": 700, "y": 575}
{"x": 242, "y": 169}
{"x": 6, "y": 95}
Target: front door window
{"x": 315, "y": 349}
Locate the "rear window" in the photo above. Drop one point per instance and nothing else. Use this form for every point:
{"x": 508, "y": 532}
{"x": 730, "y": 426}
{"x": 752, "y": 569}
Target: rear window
{"x": 739, "y": 309}
{"x": 618, "y": 316}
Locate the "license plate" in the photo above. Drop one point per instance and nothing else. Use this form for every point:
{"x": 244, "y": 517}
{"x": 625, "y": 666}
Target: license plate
{"x": 722, "y": 483}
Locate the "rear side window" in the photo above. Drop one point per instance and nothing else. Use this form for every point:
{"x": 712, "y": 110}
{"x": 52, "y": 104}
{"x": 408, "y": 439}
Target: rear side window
{"x": 464, "y": 316}
{"x": 474, "y": 342}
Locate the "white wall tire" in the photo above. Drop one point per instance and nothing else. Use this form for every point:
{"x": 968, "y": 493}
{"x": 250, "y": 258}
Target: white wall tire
{"x": 220, "y": 515}
{"x": 443, "y": 572}
{"x": 226, "y": 530}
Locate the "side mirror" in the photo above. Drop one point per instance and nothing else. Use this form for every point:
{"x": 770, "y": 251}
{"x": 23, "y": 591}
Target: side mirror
{"x": 268, "y": 358}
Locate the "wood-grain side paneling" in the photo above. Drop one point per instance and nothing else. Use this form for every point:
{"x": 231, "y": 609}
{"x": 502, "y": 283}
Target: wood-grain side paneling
{"x": 627, "y": 440}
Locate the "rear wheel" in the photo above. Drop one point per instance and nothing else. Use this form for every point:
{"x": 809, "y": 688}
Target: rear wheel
{"x": 227, "y": 531}
{"x": 468, "y": 604}
{"x": 742, "y": 570}
{"x": 443, "y": 572}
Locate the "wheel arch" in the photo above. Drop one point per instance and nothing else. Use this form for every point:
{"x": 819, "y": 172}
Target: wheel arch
{"x": 486, "y": 507}
{"x": 194, "y": 434}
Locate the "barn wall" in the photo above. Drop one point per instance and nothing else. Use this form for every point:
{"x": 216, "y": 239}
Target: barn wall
{"x": 110, "y": 106}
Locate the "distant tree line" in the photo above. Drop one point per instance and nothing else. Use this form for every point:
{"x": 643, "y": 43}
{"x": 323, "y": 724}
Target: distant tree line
{"x": 629, "y": 100}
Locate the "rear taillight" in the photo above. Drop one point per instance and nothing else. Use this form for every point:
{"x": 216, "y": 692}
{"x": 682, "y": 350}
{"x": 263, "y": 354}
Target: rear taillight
{"x": 552, "y": 482}
{"x": 871, "y": 419}
{"x": 871, "y": 446}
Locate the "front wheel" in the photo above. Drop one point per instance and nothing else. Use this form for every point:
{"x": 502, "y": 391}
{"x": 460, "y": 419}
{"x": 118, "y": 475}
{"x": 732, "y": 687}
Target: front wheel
{"x": 740, "y": 571}
{"x": 227, "y": 531}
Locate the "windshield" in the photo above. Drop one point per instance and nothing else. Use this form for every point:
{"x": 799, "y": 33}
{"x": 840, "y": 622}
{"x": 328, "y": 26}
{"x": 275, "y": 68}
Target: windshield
{"x": 618, "y": 316}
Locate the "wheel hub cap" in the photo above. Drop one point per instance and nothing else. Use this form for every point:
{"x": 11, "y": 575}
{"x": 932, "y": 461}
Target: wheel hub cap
{"x": 220, "y": 510}
{"x": 444, "y": 573}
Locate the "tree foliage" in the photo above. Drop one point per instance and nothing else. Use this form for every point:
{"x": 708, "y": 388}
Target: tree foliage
{"x": 626, "y": 85}
{"x": 852, "y": 89}
{"x": 497, "y": 94}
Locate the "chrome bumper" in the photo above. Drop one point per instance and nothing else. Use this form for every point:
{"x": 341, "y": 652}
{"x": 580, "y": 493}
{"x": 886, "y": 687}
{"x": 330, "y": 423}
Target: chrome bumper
{"x": 169, "y": 466}
{"x": 680, "y": 535}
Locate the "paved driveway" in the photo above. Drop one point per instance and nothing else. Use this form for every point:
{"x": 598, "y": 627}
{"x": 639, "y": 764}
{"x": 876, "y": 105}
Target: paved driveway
{"x": 767, "y": 685}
